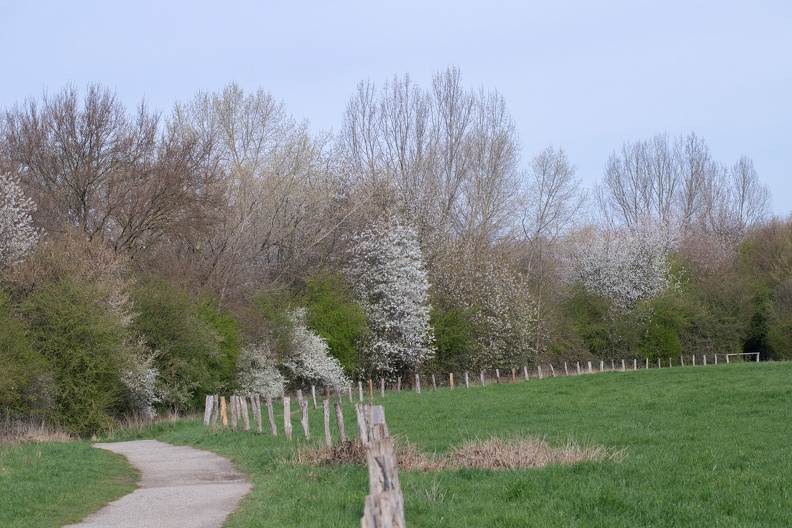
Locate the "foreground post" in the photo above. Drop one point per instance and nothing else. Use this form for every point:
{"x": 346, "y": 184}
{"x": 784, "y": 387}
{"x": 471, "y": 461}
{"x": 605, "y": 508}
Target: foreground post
{"x": 245, "y": 417}
{"x": 257, "y": 411}
{"x": 384, "y": 506}
{"x": 215, "y": 410}
{"x": 223, "y": 410}
{"x": 234, "y": 411}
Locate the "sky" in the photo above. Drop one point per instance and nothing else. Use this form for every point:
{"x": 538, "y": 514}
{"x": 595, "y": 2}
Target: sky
{"x": 580, "y": 75}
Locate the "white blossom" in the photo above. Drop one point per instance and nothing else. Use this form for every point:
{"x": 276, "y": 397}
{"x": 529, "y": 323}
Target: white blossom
{"x": 389, "y": 279}
{"x": 17, "y": 233}
{"x": 626, "y": 265}
{"x": 141, "y": 381}
{"x": 311, "y": 359}
{"x": 257, "y": 373}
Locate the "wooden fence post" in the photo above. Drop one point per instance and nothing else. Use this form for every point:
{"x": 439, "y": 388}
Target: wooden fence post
{"x": 623, "y": 369}
{"x": 539, "y": 368}
{"x": 382, "y": 387}
{"x": 525, "y": 371}
{"x": 340, "y": 420}
{"x": 602, "y": 365}
{"x": 398, "y": 385}
{"x": 271, "y": 414}
{"x": 566, "y": 369}
{"x": 589, "y": 367}
{"x": 482, "y": 378}
{"x": 257, "y": 412}
{"x": 326, "y": 407}
{"x": 304, "y": 419}
{"x": 234, "y": 412}
{"x": 716, "y": 359}
{"x": 467, "y": 381}
{"x": 208, "y": 409}
{"x": 418, "y": 384}
{"x": 223, "y": 411}
{"x": 497, "y": 376}
{"x": 514, "y": 376}
{"x": 578, "y": 368}
{"x": 287, "y": 425}
{"x": 245, "y": 416}
{"x": 612, "y": 365}
{"x": 694, "y": 360}
{"x": 313, "y": 394}
{"x": 552, "y": 370}
{"x": 371, "y": 390}
{"x": 635, "y": 364}
{"x": 434, "y": 383}
{"x": 451, "y": 380}
{"x": 360, "y": 390}
{"x": 215, "y": 410}
{"x": 350, "y": 393}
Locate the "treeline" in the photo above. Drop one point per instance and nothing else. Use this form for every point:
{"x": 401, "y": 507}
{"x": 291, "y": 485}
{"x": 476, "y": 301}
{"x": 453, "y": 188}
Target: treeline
{"x": 149, "y": 259}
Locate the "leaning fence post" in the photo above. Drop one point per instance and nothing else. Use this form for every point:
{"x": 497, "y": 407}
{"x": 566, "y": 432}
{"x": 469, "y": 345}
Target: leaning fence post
{"x": 552, "y": 370}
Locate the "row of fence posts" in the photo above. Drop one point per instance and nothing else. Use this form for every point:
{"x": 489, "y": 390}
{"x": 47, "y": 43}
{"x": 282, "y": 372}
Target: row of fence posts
{"x": 217, "y": 408}
{"x": 384, "y": 506}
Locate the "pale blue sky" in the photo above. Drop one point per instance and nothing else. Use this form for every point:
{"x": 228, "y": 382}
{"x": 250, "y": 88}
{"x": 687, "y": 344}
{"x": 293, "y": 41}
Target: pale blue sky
{"x": 584, "y": 76}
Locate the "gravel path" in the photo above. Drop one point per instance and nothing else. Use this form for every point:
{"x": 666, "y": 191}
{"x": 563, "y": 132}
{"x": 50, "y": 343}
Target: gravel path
{"x": 179, "y": 487}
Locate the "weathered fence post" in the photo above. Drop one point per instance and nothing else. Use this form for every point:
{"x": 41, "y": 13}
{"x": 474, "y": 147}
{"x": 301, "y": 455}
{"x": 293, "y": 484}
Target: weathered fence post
{"x": 467, "y": 381}
{"x": 384, "y": 506}
{"x": 340, "y": 420}
{"x": 716, "y": 359}
{"x": 257, "y": 412}
{"x": 271, "y": 414}
{"x": 602, "y": 365}
{"x": 313, "y": 394}
{"x": 566, "y": 369}
{"x": 287, "y": 425}
{"x": 223, "y": 411}
{"x": 208, "y": 409}
{"x": 552, "y": 370}
{"x": 245, "y": 416}
{"x": 215, "y": 410}
{"x": 326, "y": 408}
{"x": 451, "y": 380}
{"x": 482, "y": 378}
{"x": 434, "y": 383}
{"x": 612, "y": 365}
{"x": 382, "y": 387}
{"x": 398, "y": 385}
{"x": 539, "y": 368}
{"x": 497, "y": 376}
{"x": 578, "y": 368}
{"x": 350, "y": 392}
{"x": 234, "y": 412}
{"x": 304, "y": 419}
{"x": 623, "y": 368}
{"x": 525, "y": 372}
{"x": 589, "y": 367}
{"x": 360, "y": 389}
{"x": 694, "y": 360}
{"x": 635, "y": 364}
{"x": 371, "y": 390}
{"x": 418, "y": 384}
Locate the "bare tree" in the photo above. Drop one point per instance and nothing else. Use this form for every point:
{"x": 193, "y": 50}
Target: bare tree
{"x": 749, "y": 199}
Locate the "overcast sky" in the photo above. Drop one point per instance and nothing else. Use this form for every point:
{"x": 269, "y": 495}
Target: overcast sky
{"x": 581, "y": 75}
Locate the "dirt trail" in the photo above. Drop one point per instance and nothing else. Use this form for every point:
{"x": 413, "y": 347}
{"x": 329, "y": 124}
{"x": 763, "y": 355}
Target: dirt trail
{"x": 179, "y": 487}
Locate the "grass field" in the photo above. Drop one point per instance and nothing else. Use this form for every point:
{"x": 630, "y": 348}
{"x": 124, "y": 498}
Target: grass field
{"x": 703, "y": 446}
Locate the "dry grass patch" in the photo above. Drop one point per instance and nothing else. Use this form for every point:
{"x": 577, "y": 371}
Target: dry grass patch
{"x": 494, "y": 454}
{"x": 34, "y": 431}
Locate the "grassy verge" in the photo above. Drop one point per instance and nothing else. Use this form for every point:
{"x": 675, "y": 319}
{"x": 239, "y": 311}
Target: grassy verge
{"x": 54, "y": 483}
{"x": 705, "y": 446}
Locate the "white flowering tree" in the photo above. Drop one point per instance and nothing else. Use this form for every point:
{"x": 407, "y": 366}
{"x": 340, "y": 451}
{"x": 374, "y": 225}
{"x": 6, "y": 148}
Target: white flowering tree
{"x": 311, "y": 360}
{"x": 257, "y": 372}
{"x": 17, "y": 233}
{"x": 626, "y": 265}
{"x": 389, "y": 280}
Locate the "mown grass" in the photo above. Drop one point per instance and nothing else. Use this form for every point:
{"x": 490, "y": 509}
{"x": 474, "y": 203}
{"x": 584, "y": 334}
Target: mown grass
{"x": 705, "y": 446}
{"x": 54, "y": 483}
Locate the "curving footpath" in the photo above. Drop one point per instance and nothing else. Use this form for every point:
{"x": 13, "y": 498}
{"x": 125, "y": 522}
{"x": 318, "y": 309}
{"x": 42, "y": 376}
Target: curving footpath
{"x": 179, "y": 487}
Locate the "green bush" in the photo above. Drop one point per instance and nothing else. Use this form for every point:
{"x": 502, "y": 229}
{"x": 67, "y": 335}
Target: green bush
{"x": 22, "y": 365}
{"x": 82, "y": 335}
{"x": 196, "y": 344}
{"x": 333, "y": 314}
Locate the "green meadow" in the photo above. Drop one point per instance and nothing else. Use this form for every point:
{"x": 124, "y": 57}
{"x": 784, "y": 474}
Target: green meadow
{"x": 697, "y": 446}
